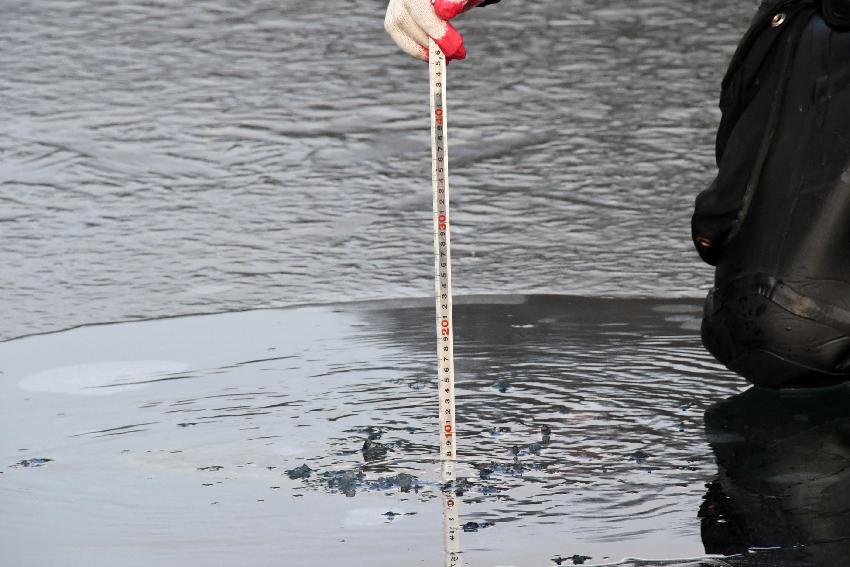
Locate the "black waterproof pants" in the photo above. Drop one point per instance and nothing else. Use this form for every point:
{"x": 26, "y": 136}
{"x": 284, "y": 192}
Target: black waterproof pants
{"x": 756, "y": 336}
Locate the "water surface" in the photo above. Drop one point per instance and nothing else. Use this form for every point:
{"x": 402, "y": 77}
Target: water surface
{"x": 170, "y": 441}
{"x": 162, "y": 158}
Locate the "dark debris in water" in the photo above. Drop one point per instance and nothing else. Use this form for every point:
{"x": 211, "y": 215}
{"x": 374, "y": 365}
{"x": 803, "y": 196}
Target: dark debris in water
{"x": 299, "y": 472}
{"x": 211, "y": 468}
{"x": 574, "y": 560}
{"x": 373, "y": 450}
{"x": 348, "y": 482}
{"x": 533, "y": 448}
{"x": 345, "y": 482}
{"x": 459, "y": 486}
{"x": 514, "y": 468}
{"x": 491, "y": 490}
{"x": 530, "y": 449}
{"x": 475, "y": 526}
{"x": 364, "y": 476}
{"x": 640, "y": 457}
{"x": 403, "y": 481}
{"x": 485, "y": 470}
{"x": 32, "y": 463}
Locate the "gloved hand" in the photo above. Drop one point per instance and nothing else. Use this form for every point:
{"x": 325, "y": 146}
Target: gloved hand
{"x": 411, "y": 22}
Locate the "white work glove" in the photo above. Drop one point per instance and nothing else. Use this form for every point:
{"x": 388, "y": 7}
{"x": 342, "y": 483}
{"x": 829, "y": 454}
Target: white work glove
{"x": 411, "y": 22}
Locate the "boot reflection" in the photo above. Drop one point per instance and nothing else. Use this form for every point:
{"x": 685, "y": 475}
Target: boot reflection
{"x": 784, "y": 476}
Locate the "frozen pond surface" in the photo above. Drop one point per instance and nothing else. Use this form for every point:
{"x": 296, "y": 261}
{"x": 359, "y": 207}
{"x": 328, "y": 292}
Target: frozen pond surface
{"x": 205, "y": 156}
{"x": 170, "y": 441}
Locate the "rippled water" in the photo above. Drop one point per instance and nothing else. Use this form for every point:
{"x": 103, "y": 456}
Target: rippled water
{"x": 170, "y": 441}
{"x": 180, "y": 157}
{"x": 252, "y": 395}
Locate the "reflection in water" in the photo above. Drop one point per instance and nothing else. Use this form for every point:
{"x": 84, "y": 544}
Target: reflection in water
{"x": 784, "y": 477}
{"x": 581, "y": 421}
{"x": 451, "y": 514}
{"x": 580, "y": 424}
{"x": 578, "y": 418}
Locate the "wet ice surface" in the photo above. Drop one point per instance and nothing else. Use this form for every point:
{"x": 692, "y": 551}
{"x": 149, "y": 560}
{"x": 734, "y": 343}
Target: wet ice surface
{"x": 226, "y": 435}
{"x": 205, "y": 156}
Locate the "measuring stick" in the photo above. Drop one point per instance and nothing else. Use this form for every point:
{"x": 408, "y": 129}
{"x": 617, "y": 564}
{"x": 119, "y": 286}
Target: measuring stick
{"x": 443, "y": 288}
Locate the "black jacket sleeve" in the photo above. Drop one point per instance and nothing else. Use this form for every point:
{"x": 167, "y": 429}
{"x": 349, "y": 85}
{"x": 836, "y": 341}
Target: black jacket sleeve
{"x": 749, "y": 99}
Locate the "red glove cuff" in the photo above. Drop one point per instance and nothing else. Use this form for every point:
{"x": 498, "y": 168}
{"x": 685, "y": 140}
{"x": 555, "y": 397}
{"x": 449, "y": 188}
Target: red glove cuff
{"x": 447, "y": 10}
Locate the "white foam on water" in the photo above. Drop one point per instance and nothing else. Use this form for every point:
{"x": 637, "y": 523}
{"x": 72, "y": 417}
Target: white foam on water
{"x": 101, "y": 378}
